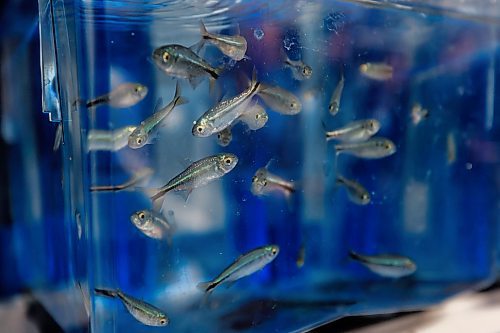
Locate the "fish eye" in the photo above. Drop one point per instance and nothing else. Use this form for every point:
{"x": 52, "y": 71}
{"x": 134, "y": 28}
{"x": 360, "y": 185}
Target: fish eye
{"x": 228, "y": 161}
{"x": 166, "y": 56}
{"x": 387, "y": 146}
{"x": 199, "y": 129}
{"x": 293, "y": 105}
{"x": 218, "y": 135}
{"x": 273, "y": 251}
{"x": 257, "y": 116}
{"x": 163, "y": 321}
{"x": 141, "y": 215}
{"x": 139, "y": 140}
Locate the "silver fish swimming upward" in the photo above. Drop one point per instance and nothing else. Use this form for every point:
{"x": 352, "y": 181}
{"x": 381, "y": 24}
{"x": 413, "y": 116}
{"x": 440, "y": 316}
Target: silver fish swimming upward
{"x": 334, "y": 105}
{"x": 226, "y": 112}
{"x": 372, "y": 149}
{"x": 141, "y": 135}
{"x": 376, "y": 71}
{"x": 355, "y": 191}
{"x": 300, "y": 70}
{"x": 181, "y": 62}
{"x": 245, "y": 265}
{"x": 356, "y": 131}
{"x": 234, "y": 47}
{"x": 225, "y": 137}
{"x": 265, "y": 182}
{"x": 140, "y": 310}
{"x": 154, "y": 224}
{"x": 255, "y": 117}
{"x": 123, "y": 96}
{"x": 109, "y": 140}
{"x": 386, "y": 265}
{"x": 280, "y": 100}
{"x": 198, "y": 174}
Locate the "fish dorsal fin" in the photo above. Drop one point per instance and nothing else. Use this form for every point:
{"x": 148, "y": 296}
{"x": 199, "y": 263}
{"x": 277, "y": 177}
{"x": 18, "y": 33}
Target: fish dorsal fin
{"x": 196, "y": 48}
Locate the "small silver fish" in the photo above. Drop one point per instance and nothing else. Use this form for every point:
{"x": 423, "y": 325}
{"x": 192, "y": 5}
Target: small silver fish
{"x": 225, "y": 137}
{"x": 123, "y": 96}
{"x": 386, "y": 265}
{"x": 301, "y": 256}
{"x": 265, "y": 182}
{"x": 418, "y": 114}
{"x": 356, "y": 131}
{"x": 226, "y": 112}
{"x": 140, "y": 310}
{"x": 58, "y": 139}
{"x": 334, "y": 105}
{"x": 300, "y": 70}
{"x": 198, "y": 174}
{"x": 376, "y": 71}
{"x": 234, "y": 47}
{"x": 255, "y": 117}
{"x": 280, "y": 100}
{"x": 141, "y": 135}
{"x": 355, "y": 191}
{"x": 154, "y": 224}
{"x": 372, "y": 149}
{"x": 245, "y": 265}
{"x": 109, "y": 140}
{"x": 181, "y": 62}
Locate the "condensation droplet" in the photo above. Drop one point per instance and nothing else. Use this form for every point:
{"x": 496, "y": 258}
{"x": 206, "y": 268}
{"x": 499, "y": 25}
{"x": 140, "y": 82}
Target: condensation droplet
{"x": 258, "y": 33}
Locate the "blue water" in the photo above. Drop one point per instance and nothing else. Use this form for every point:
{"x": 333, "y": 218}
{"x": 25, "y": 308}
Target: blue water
{"x": 435, "y": 200}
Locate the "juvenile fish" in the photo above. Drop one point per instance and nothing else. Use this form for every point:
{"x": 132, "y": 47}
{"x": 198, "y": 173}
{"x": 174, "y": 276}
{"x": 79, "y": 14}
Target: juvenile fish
{"x": 280, "y": 100}
{"x": 234, "y": 47}
{"x": 254, "y": 117}
{"x": 154, "y": 224}
{"x": 141, "y": 135}
{"x": 355, "y": 191}
{"x": 226, "y": 112}
{"x": 109, "y": 140}
{"x": 265, "y": 182}
{"x": 372, "y": 149}
{"x": 334, "y": 105}
{"x": 199, "y": 174}
{"x": 301, "y": 256}
{"x": 123, "y": 96}
{"x": 245, "y": 265}
{"x": 140, "y": 310}
{"x": 300, "y": 70}
{"x": 181, "y": 62}
{"x": 356, "y": 131}
{"x": 418, "y": 114}
{"x": 386, "y": 265}
{"x": 225, "y": 137}
{"x": 376, "y": 71}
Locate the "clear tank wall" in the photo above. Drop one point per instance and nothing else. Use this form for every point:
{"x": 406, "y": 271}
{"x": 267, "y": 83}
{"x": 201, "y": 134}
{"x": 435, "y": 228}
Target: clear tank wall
{"x": 435, "y": 200}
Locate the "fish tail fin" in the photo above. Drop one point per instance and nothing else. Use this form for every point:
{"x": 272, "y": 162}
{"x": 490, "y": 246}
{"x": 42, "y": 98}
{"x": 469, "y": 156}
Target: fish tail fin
{"x": 106, "y": 292}
{"x": 203, "y": 30}
{"x": 97, "y": 101}
{"x": 205, "y": 286}
{"x": 179, "y": 100}
{"x": 353, "y": 255}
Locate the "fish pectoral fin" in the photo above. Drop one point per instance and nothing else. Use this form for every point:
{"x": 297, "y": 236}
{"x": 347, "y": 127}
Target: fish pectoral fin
{"x": 195, "y": 80}
{"x": 185, "y": 194}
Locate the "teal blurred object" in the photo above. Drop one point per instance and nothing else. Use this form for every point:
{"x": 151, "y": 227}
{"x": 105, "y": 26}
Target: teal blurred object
{"x": 435, "y": 200}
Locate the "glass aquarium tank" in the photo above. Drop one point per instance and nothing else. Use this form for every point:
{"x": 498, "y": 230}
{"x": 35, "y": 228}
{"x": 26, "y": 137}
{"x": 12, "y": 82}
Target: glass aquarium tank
{"x": 269, "y": 166}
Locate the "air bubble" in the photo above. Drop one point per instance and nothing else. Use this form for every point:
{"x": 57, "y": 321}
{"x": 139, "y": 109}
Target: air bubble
{"x": 335, "y": 22}
{"x": 258, "y": 33}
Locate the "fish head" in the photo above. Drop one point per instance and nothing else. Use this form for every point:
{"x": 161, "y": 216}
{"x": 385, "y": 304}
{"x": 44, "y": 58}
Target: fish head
{"x": 333, "y": 108}
{"x": 294, "y": 105}
{"x": 162, "y": 319}
{"x": 363, "y": 198}
{"x": 259, "y": 182}
{"x": 410, "y": 266}
{"x": 139, "y": 91}
{"x": 272, "y": 251}
{"x": 364, "y": 68}
{"x": 165, "y": 56}
{"x": 388, "y": 146}
{"x": 306, "y": 71}
{"x": 202, "y": 128}
{"x": 261, "y": 118}
{"x": 224, "y": 138}
{"x": 372, "y": 126}
{"x": 141, "y": 219}
{"x": 137, "y": 139}
{"x": 226, "y": 162}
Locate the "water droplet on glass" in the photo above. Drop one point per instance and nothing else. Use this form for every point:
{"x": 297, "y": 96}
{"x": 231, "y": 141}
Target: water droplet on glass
{"x": 335, "y": 22}
{"x": 258, "y": 33}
